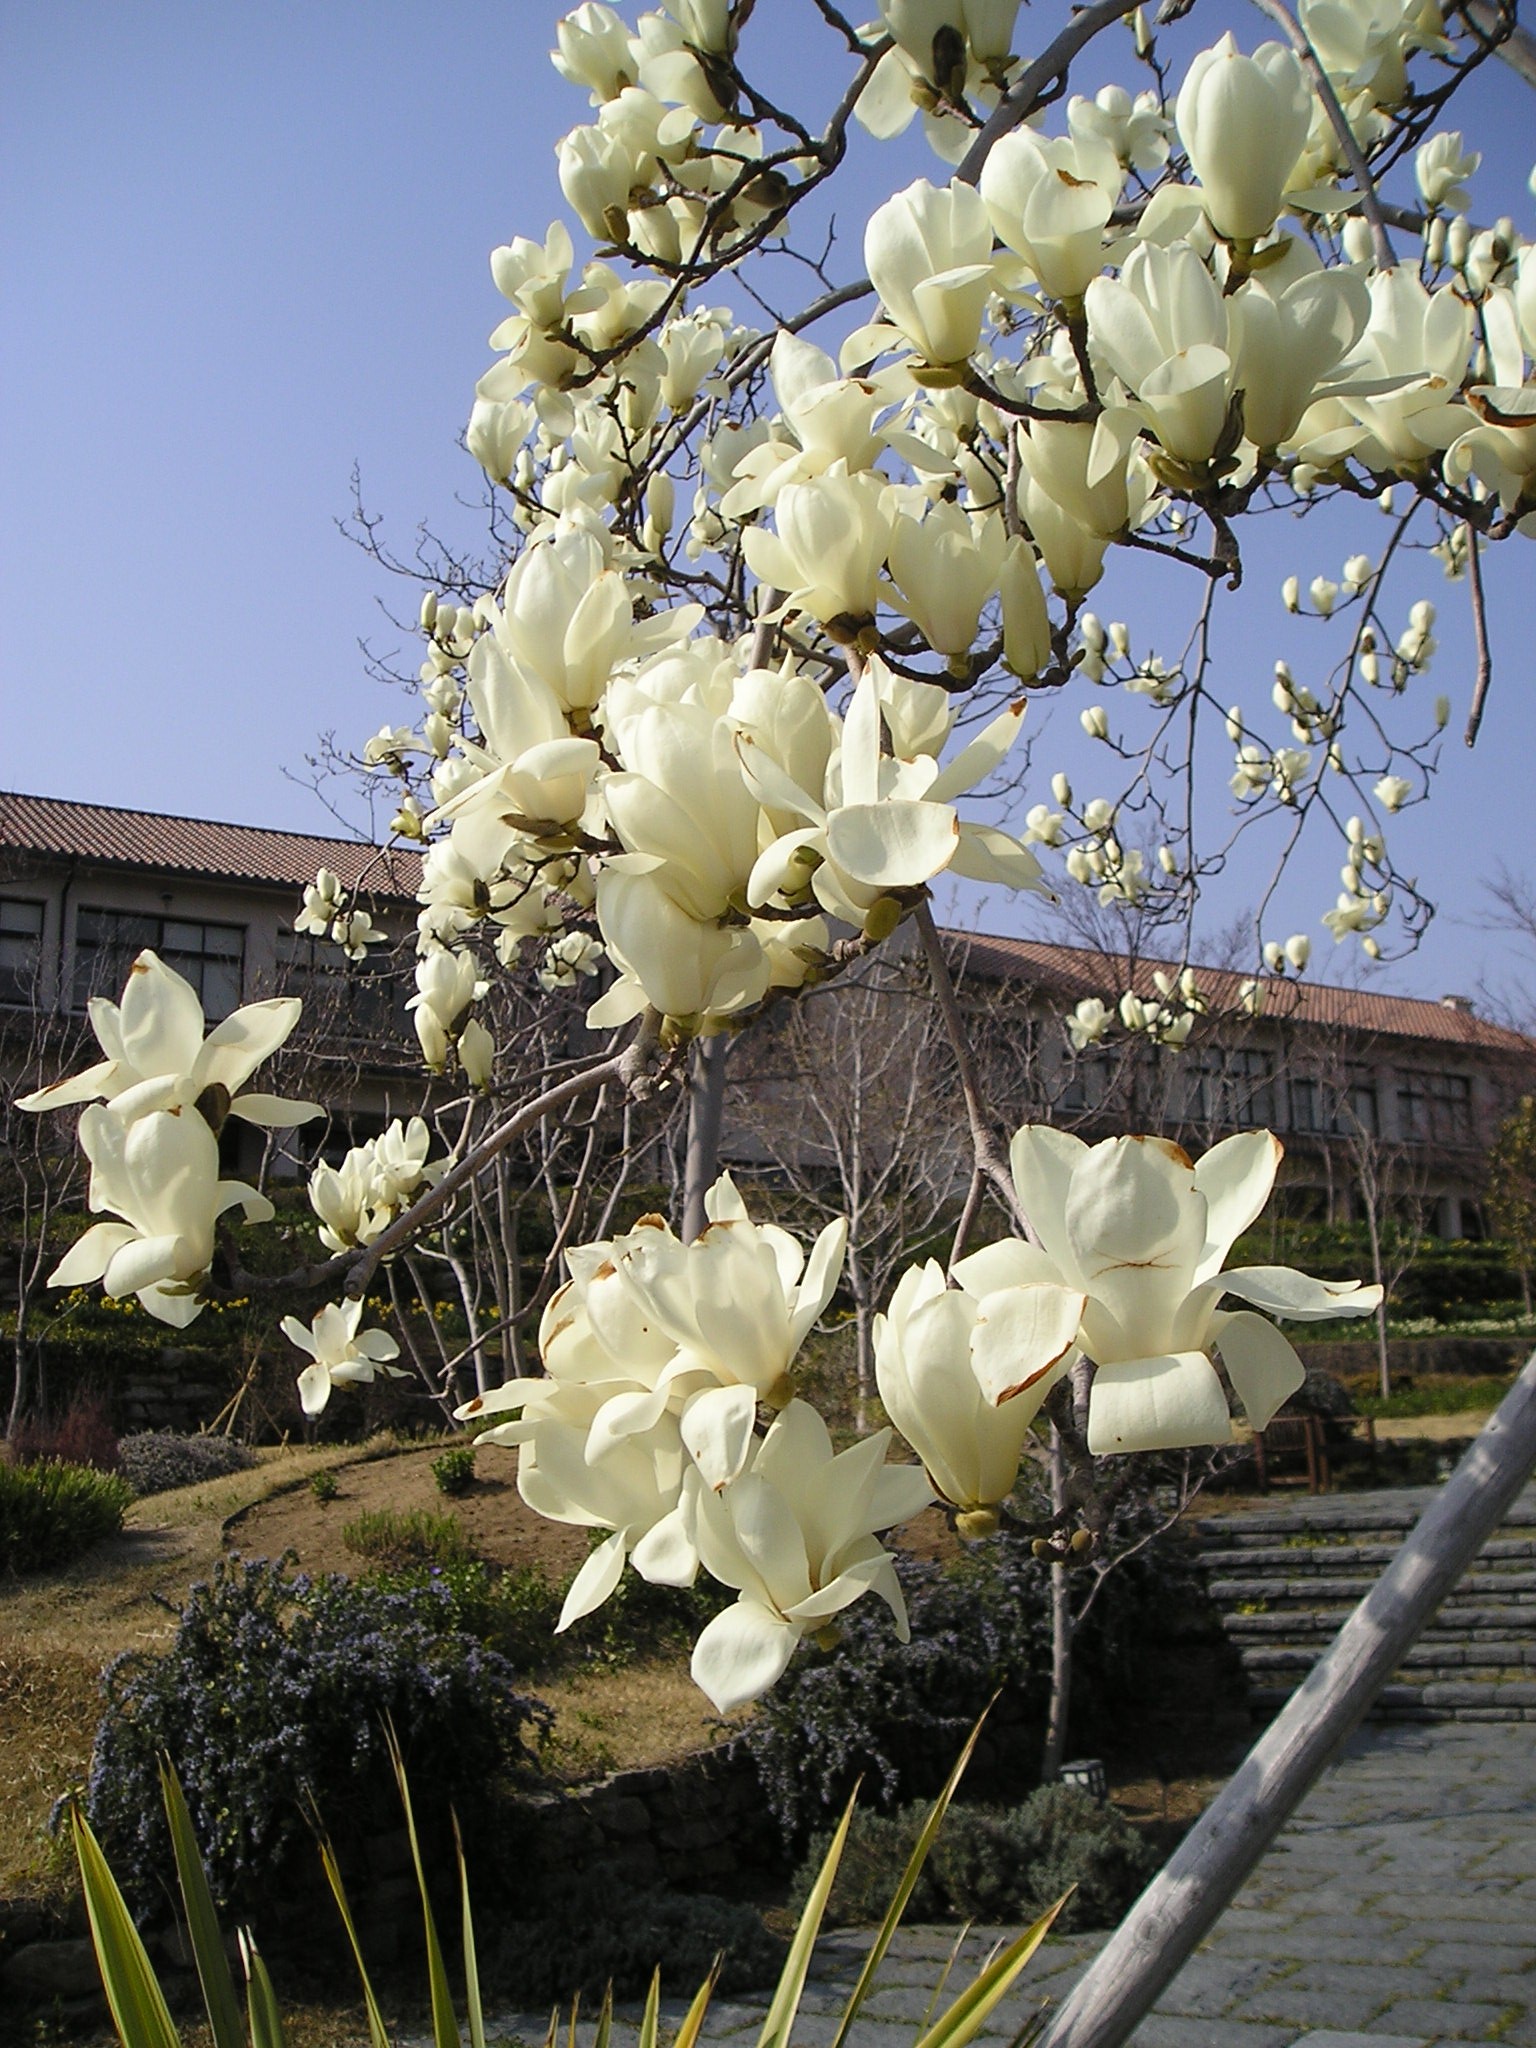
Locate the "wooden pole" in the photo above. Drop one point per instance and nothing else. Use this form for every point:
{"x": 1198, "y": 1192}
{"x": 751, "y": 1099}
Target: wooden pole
{"x": 1205, "y": 1872}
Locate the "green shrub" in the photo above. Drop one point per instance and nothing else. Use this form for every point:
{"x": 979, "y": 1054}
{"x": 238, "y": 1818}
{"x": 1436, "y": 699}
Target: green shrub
{"x": 275, "y": 1691}
{"x": 595, "y": 1929}
{"x": 991, "y": 1863}
{"x": 51, "y": 1514}
{"x": 400, "y": 1539}
{"x": 158, "y": 1461}
{"x": 1438, "y": 1396}
{"x": 454, "y": 1471}
{"x": 325, "y": 1486}
{"x": 513, "y": 1612}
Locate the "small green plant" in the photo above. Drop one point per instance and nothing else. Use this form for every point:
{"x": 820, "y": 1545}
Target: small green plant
{"x": 143, "y": 2018}
{"x": 325, "y": 1486}
{"x": 512, "y": 1612}
{"x": 454, "y": 1471}
{"x": 51, "y": 1514}
{"x": 388, "y": 1536}
{"x": 991, "y": 1863}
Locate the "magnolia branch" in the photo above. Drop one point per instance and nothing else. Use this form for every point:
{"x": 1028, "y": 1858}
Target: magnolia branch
{"x": 1354, "y": 156}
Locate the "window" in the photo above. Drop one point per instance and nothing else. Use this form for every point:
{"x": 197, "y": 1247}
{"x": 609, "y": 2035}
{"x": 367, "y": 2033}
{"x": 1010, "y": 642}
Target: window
{"x": 1332, "y": 1108}
{"x": 210, "y": 956}
{"x": 1436, "y": 1108}
{"x": 21, "y": 950}
{"x": 361, "y": 999}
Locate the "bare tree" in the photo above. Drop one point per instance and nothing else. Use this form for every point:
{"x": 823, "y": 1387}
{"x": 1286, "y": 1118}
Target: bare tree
{"x": 857, "y": 1114}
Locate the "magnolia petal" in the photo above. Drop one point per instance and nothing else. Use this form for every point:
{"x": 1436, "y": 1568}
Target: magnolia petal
{"x": 1021, "y": 1335}
{"x": 275, "y": 1112}
{"x": 900, "y": 1492}
{"x": 84, "y": 1087}
{"x": 1235, "y": 1178}
{"x": 849, "y": 1585}
{"x": 170, "y": 1305}
{"x": 90, "y": 1255}
{"x": 144, "y": 1260}
{"x": 1008, "y": 1263}
{"x": 1157, "y": 1404}
{"x": 624, "y": 1416}
{"x": 1282, "y": 1291}
{"x": 511, "y": 1394}
{"x": 666, "y": 1554}
{"x": 980, "y": 757}
{"x": 892, "y": 845}
{"x": 1043, "y": 1161}
{"x": 298, "y": 1333}
{"x": 819, "y": 1279}
{"x": 717, "y": 1430}
{"x": 596, "y": 1579}
{"x": 986, "y": 854}
{"x": 1260, "y": 1362}
{"x": 741, "y": 1653}
{"x": 314, "y": 1390}
{"x": 236, "y": 1048}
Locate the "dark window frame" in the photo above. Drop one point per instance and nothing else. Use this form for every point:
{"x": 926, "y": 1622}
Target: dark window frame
{"x": 108, "y": 938}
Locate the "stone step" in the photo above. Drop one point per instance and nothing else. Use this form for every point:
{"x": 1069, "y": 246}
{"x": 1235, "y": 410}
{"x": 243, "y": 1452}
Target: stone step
{"x": 1518, "y": 1587}
{"x": 1471, "y": 1625}
{"x": 1359, "y": 1516}
{"x": 1516, "y": 1658}
{"x": 1332, "y": 1557}
{"x": 1444, "y": 1699}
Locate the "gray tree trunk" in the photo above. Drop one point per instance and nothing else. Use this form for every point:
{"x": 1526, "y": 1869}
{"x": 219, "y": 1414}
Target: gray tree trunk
{"x": 706, "y": 1108}
{"x": 1205, "y": 1872}
{"x": 1062, "y": 1627}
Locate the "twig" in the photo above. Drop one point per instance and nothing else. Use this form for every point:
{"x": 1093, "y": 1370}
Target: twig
{"x": 990, "y": 1160}
{"x": 1023, "y": 99}
{"x": 973, "y": 1195}
{"x": 1480, "y": 634}
{"x": 1354, "y": 156}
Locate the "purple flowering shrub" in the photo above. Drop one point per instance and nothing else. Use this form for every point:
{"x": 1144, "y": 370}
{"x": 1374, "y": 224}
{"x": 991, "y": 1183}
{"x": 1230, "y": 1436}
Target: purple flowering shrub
{"x": 271, "y": 1701}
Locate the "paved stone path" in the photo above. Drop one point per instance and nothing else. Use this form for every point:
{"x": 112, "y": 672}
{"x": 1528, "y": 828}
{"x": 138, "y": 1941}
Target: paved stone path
{"x": 1398, "y": 1910}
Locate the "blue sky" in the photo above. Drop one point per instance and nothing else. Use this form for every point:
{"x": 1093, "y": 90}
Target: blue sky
{"x": 245, "y": 249}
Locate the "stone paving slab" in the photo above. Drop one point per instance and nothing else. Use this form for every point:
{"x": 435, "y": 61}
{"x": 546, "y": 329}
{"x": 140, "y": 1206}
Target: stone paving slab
{"x": 1397, "y": 1910}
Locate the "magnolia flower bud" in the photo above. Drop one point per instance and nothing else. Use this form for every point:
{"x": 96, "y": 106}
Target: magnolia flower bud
{"x": 1442, "y": 713}
{"x": 1095, "y": 723}
{"x": 477, "y": 1054}
{"x": 428, "y": 610}
{"x": 1244, "y": 122}
{"x": 1167, "y": 860}
{"x": 1235, "y": 725}
{"x": 1274, "y": 957}
{"x": 1357, "y": 573}
{"x": 1133, "y": 1011}
{"x": 1324, "y": 595}
{"x": 1298, "y": 950}
{"x": 1091, "y": 633}
{"x": 1290, "y": 593}
{"x": 1120, "y": 638}
{"x": 1392, "y": 792}
{"x": 1061, "y": 789}
{"x": 1369, "y": 947}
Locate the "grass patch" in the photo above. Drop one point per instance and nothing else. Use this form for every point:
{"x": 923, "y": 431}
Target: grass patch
{"x": 1440, "y": 1394}
{"x": 398, "y": 1540}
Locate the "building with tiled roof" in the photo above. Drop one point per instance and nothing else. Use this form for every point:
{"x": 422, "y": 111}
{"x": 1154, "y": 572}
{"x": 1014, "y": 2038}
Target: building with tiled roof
{"x": 1409, "y": 1089}
{"x": 85, "y": 887}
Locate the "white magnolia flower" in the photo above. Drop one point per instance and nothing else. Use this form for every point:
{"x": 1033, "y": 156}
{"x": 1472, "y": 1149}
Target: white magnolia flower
{"x": 882, "y": 823}
{"x": 1143, "y": 1233}
{"x": 342, "y": 1354}
{"x": 794, "y": 1535}
{"x": 946, "y": 567}
{"x": 1050, "y": 198}
{"x": 374, "y": 1183}
{"x": 323, "y": 898}
{"x": 738, "y": 1303}
{"x": 158, "y": 1059}
{"x": 928, "y": 252}
{"x": 1244, "y": 122}
{"x": 833, "y": 535}
{"x": 964, "y": 1375}
{"x": 1162, "y": 328}
{"x": 158, "y": 1173}
{"x": 568, "y": 959}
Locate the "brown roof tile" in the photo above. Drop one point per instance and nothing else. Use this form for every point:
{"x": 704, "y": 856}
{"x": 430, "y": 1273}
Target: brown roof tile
{"x": 102, "y": 833}
{"x": 1072, "y": 972}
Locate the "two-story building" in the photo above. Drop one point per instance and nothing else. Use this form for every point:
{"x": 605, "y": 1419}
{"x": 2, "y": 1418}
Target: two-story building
{"x": 85, "y": 887}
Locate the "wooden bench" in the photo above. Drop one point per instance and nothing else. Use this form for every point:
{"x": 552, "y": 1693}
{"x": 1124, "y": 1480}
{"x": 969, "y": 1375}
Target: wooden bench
{"x": 1315, "y": 1439}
